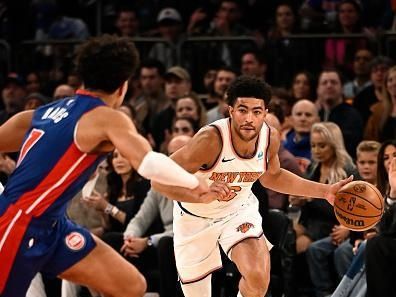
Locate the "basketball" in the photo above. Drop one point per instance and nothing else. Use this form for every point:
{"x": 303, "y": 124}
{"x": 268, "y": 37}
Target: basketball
{"x": 358, "y": 205}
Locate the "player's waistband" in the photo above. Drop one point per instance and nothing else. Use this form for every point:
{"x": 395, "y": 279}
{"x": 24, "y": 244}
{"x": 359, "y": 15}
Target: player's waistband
{"x": 189, "y": 212}
{"x": 42, "y": 222}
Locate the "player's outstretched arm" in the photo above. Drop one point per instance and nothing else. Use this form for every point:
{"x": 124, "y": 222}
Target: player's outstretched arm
{"x": 281, "y": 180}
{"x": 104, "y": 128}
{"x": 13, "y": 131}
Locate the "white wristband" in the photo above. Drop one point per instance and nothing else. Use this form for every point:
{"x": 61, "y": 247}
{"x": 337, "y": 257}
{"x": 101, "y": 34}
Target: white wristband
{"x": 160, "y": 168}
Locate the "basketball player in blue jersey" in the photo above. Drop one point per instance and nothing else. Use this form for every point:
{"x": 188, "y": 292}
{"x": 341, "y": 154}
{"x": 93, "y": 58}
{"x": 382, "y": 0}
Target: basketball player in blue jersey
{"x": 237, "y": 150}
{"x": 60, "y": 146}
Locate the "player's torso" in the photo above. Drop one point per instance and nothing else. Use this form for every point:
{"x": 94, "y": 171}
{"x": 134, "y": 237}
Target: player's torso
{"x": 51, "y": 169}
{"x": 239, "y": 173}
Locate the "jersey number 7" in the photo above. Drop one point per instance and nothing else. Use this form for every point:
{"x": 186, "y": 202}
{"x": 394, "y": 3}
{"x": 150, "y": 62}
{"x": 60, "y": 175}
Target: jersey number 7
{"x": 30, "y": 141}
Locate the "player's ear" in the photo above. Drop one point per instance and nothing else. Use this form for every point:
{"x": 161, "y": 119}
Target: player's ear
{"x": 230, "y": 110}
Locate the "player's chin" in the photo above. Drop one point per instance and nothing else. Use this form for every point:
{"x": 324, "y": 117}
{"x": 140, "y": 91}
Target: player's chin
{"x": 248, "y": 134}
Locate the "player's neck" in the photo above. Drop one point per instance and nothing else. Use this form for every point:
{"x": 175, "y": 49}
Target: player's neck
{"x": 108, "y": 99}
{"x": 243, "y": 147}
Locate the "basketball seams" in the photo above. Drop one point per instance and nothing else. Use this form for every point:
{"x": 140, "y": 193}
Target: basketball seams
{"x": 354, "y": 194}
{"x": 378, "y": 193}
{"x": 356, "y": 215}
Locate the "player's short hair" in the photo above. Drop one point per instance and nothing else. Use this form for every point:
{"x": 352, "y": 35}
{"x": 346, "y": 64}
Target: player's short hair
{"x": 370, "y": 146}
{"x": 248, "y": 87}
{"x": 105, "y": 62}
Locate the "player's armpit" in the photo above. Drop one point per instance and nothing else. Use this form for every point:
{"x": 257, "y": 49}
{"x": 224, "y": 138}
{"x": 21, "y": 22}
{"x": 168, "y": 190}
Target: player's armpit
{"x": 13, "y": 131}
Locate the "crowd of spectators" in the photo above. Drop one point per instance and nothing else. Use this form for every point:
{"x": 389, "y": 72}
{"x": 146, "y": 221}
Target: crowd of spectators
{"x": 333, "y": 102}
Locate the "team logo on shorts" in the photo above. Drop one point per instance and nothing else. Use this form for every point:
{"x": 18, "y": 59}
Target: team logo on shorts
{"x": 75, "y": 241}
{"x": 245, "y": 227}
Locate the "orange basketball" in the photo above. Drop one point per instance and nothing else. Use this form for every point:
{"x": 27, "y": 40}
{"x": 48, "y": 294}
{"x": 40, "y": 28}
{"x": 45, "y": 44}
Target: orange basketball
{"x": 358, "y": 205}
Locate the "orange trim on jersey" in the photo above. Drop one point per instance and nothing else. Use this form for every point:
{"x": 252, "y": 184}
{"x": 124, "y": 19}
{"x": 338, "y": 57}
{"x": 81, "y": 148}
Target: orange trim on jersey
{"x": 221, "y": 151}
{"x": 201, "y": 277}
{"x": 234, "y": 150}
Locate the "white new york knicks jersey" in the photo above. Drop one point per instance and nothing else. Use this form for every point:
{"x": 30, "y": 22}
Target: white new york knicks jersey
{"x": 239, "y": 173}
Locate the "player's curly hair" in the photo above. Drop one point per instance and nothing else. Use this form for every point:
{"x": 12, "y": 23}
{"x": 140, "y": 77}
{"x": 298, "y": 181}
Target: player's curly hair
{"x": 105, "y": 62}
{"x": 248, "y": 87}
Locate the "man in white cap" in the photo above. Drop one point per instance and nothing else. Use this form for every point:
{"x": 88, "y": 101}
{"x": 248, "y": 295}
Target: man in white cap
{"x": 170, "y": 28}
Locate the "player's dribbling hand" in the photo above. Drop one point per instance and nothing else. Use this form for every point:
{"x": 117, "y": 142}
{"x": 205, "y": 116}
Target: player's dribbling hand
{"x": 334, "y": 188}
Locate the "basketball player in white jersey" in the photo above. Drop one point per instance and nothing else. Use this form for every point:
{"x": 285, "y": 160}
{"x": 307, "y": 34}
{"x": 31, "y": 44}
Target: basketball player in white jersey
{"x": 236, "y": 150}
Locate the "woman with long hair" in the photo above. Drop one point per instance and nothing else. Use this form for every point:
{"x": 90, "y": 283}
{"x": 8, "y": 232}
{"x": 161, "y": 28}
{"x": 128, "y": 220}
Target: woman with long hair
{"x": 331, "y": 163}
{"x": 125, "y": 193}
{"x": 381, "y": 124}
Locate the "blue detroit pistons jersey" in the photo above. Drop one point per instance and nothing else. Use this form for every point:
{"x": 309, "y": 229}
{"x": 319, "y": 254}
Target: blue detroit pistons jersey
{"x": 50, "y": 171}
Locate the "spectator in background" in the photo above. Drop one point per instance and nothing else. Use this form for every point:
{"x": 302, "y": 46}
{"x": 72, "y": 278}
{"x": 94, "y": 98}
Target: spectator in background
{"x": 34, "y": 100}
{"x": 334, "y": 109}
{"x": 339, "y": 52}
{"x": 381, "y": 124}
{"x": 287, "y": 161}
{"x": 64, "y": 27}
{"x": 152, "y": 99}
{"x": 170, "y": 27}
{"x": 283, "y": 53}
{"x": 125, "y": 193}
{"x": 253, "y": 63}
{"x": 127, "y": 22}
{"x": 281, "y": 97}
{"x": 227, "y": 22}
{"x": 13, "y": 95}
{"x": 208, "y": 79}
{"x": 318, "y": 15}
{"x": 303, "y": 115}
{"x": 33, "y": 83}
{"x": 361, "y": 70}
{"x": 224, "y": 77}
{"x": 177, "y": 84}
{"x": 63, "y": 91}
{"x": 190, "y": 106}
{"x": 184, "y": 126}
{"x": 379, "y": 67}
{"x": 303, "y": 86}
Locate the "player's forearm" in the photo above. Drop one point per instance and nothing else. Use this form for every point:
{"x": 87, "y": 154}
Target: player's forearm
{"x": 290, "y": 183}
{"x": 164, "y": 170}
{"x": 176, "y": 193}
